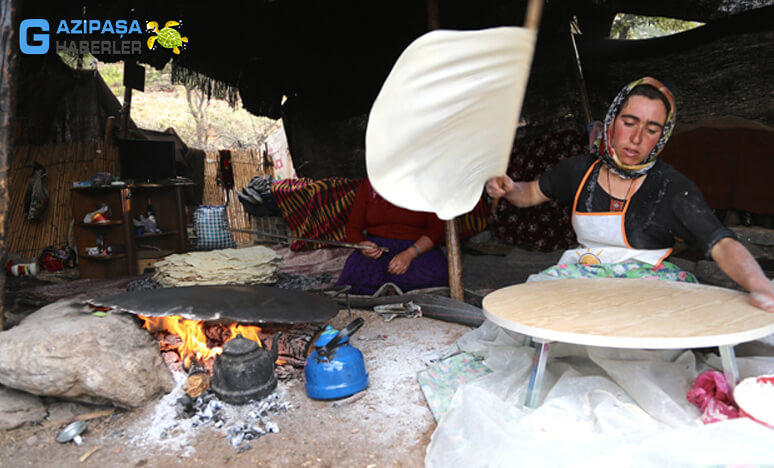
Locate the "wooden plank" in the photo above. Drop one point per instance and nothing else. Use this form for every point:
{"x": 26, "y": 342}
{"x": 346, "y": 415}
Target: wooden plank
{"x": 81, "y": 417}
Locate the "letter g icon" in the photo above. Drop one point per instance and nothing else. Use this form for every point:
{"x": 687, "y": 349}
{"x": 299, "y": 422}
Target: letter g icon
{"x": 40, "y": 44}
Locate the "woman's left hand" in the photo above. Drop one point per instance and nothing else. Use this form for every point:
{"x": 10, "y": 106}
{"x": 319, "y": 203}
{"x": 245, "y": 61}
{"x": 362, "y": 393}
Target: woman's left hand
{"x": 400, "y": 263}
{"x": 763, "y": 299}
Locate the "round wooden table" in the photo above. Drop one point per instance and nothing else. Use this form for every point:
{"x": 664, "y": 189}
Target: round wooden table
{"x": 627, "y": 313}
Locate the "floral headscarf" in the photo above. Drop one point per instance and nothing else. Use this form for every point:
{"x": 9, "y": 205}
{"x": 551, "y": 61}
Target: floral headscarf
{"x": 606, "y": 150}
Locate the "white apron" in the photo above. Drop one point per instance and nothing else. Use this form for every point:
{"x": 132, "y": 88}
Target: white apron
{"x": 602, "y": 237}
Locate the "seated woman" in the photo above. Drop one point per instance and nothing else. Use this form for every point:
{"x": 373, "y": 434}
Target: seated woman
{"x": 414, "y": 261}
{"x": 628, "y": 206}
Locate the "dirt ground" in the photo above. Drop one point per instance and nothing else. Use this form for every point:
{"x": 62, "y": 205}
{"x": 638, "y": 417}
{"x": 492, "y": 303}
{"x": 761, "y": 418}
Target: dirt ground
{"x": 389, "y": 426}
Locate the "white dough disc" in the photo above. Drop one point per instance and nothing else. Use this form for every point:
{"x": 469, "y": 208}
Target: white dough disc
{"x": 444, "y": 121}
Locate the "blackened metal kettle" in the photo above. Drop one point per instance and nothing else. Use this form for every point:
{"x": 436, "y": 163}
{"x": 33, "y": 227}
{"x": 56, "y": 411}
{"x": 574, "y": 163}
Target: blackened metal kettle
{"x": 245, "y": 371}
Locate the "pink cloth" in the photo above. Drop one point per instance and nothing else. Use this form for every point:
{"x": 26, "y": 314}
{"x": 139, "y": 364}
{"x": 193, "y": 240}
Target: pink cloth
{"x": 714, "y": 396}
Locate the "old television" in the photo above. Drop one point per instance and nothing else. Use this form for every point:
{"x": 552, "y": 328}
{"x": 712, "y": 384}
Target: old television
{"x": 147, "y": 160}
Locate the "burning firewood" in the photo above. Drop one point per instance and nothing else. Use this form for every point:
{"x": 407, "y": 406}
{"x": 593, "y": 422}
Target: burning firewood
{"x": 196, "y": 384}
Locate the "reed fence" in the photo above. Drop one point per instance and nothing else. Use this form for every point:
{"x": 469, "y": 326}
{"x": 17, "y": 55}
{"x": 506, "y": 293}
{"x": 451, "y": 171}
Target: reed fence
{"x": 75, "y": 161}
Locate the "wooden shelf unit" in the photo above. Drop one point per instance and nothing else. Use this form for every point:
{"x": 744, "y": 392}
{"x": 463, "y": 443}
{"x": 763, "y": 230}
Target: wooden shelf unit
{"x": 126, "y": 204}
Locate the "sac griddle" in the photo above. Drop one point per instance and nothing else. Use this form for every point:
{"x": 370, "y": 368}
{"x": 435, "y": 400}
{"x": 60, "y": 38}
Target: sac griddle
{"x": 225, "y": 303}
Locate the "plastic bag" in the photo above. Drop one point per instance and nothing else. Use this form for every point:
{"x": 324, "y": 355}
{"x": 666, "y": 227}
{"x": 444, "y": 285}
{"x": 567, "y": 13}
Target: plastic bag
{"x": 212, "y": 228}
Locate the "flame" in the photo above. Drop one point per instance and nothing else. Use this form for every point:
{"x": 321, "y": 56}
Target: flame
{"x": 248, "y": 331}
{"x": 194, "y": 343}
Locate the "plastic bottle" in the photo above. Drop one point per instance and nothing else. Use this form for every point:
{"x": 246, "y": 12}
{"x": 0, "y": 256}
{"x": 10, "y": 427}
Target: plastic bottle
{"x": 24, "y": 269}
{"x": 150, "y": 213}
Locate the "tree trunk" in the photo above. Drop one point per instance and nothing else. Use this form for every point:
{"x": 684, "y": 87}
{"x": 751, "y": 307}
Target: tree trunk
{"x": 197, "y": 105}
{"x": 8, "y": 68}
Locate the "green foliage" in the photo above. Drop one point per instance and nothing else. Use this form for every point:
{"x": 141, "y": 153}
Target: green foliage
{"x": 627, "y": 26}
{"x": 112, "y": 73}
{"x": 163, "y": 105}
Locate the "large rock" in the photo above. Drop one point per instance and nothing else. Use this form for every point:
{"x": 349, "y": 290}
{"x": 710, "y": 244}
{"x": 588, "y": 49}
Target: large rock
{"x": 62, "y": 350}
{"x": 17, "y": 408}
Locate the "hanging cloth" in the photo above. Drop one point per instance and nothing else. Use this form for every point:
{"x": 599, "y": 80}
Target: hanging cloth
{"x": 36, "y": 200}
{"x": 225, "y": 174}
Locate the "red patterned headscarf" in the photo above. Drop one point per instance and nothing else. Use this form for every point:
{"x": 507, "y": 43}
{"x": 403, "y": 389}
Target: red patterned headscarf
{"x": 605, "y": 145}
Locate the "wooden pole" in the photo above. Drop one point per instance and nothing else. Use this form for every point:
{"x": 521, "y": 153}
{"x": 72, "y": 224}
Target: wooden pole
{"x": 8, "y": 80}
{"x": 456, "y": 290}
{"x": 579, "y": 76}
{"x": 126, "y": 110}
{"x": 453, "y": 248}
{"x": 433, "y": 15}
{"x": 108, "y": 132}
{"x": 348, "y": 245}
{"x": 531, "y": 21}
{"x": 532, "y": 17}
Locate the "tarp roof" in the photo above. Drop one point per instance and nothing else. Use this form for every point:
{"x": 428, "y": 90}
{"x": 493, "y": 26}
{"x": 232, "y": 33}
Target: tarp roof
{"x": 335, "y": 54}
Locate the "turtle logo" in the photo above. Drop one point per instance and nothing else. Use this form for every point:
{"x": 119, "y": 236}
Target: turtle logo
{"x": 167, "y": 37}
{"x": 589, "y": 258}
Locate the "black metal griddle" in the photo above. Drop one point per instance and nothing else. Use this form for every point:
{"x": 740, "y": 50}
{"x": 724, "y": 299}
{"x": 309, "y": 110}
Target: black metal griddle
{"x": 225, "y": 303}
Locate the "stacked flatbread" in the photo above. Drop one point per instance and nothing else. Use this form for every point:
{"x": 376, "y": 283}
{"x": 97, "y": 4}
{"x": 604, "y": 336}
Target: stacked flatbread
{"x": 253, "y": 265}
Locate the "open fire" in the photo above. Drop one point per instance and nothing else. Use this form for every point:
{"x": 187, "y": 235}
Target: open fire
{"x": 196, "y": 340}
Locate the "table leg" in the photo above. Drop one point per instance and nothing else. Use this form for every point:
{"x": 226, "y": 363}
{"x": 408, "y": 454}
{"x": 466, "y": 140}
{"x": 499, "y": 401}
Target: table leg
{"x": 538, "y": 372}
{"x": 730, "y": 369}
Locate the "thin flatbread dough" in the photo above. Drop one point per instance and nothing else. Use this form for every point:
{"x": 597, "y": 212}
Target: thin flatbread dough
{"x": 628, "y": 313}
{"x": 444, "y": 121}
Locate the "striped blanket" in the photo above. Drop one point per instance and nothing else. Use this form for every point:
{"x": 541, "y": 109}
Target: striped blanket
{"x": 318, "y": 209}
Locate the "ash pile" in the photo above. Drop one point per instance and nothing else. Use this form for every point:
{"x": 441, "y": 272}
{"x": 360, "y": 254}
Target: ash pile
{"x": 241, "y": 423}
{"x": 178, "y": 417}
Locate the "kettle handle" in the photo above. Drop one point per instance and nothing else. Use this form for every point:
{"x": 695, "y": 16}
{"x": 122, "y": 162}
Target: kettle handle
{"x": 343, "y": 333}
{"x": 274, "y": 348}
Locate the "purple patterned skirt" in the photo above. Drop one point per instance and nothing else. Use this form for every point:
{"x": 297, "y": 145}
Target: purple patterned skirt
{"x": 366, "y": 275}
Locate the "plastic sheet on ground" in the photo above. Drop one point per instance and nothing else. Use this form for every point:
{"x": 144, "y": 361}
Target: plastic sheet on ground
{"x": 601, "y": 407}
{"x": 252, "y": 265}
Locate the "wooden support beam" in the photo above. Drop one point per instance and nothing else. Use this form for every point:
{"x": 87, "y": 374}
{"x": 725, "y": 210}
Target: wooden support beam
{"x": 455, "y": 260}
{"x": 8, "y": 80}
{"x": 125, "y": 111}
{"x": 433, "y": 15}
{"x": 531, "y": 21}
{"x": 452, "y": 238}
{"x": 108, "y": 132}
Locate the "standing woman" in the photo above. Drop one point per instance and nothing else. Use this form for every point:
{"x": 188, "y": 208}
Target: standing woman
{"x": 628, "y": 207}
{"x": 414, "y": 260}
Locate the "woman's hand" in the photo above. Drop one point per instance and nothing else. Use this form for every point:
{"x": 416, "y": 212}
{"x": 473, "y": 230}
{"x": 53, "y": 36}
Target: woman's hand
{"x": 401, "y": 262}
{"x": 499, "y": 187}
{"x": 736, "y": 261}
{"x": 520, "y": 194}
{"x": 763, "y": 299}
{"x": 373, "y": 251}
